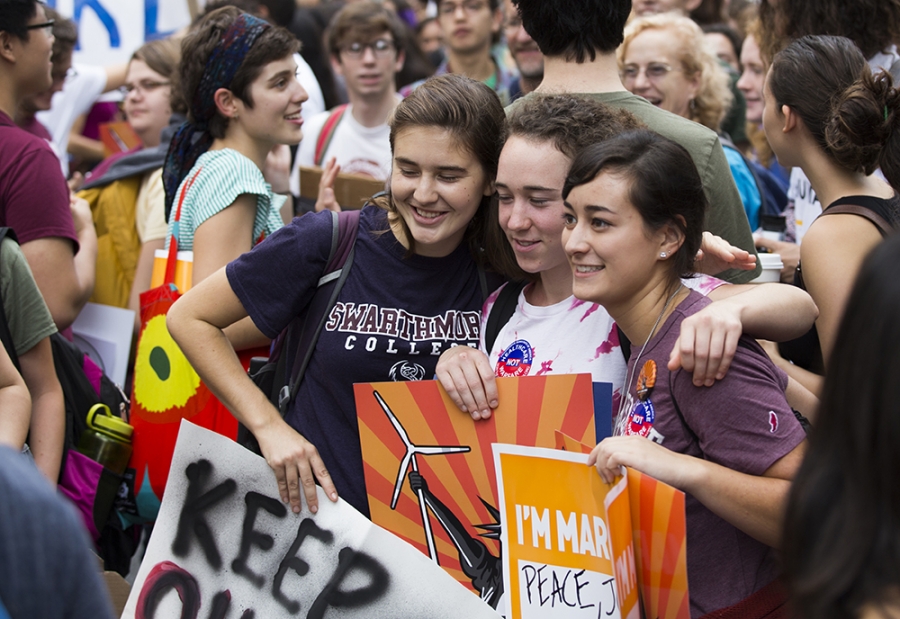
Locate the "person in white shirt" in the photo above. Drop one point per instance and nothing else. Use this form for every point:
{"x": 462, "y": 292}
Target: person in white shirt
{"x": 365, "y": 42}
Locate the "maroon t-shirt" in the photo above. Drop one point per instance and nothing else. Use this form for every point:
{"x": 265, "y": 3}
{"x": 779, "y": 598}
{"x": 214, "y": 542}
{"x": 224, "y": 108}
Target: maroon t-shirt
{"x": 34, "y": 197}
{"x": 742, "y": 422}
{"x": 34, "y": 127}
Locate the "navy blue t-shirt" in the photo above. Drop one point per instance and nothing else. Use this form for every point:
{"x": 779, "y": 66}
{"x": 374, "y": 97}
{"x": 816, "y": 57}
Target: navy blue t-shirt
{"x": 393, "y": 319}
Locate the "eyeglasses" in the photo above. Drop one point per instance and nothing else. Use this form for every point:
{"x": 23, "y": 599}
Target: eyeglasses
{"x": 46, "y": 26}
{"x": 382, "y": 48}
{"x": 144, "y": 86}
{"x": 449, "y": 8}
{"x": 654, "y": 71}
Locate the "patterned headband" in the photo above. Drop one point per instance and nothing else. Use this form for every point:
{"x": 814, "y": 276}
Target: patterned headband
{"x": 193, "y": 138}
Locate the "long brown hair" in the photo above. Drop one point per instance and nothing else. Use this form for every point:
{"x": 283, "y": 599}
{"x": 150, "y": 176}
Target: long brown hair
{"x": 473, "y": 115}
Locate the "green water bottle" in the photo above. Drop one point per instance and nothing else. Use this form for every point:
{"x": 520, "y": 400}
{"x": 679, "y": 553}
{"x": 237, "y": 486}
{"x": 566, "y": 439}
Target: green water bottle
{"x": 107, "y": 439}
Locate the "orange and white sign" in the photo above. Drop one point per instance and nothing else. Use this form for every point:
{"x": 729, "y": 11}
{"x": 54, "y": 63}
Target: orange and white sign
{"x": 429, "y": 467}
{"x": 561, "y": 545}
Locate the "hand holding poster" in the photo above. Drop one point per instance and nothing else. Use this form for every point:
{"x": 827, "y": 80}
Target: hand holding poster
{"x": 224, "y": 545}
{"x": 550, "y": 498}
{"x": 564, "y": 553}
{"x": 430, "y": 470}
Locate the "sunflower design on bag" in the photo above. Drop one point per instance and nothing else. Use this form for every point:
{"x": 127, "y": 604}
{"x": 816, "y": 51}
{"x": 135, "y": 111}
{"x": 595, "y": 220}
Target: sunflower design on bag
{"x": 166, "y": 387}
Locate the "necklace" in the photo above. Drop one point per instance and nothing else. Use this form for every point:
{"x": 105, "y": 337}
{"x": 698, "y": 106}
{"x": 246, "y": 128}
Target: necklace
{"x": 626, "y": 401}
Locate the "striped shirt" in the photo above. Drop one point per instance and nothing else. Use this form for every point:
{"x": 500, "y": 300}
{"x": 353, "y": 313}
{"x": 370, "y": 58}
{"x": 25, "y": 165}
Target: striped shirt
{"x": 226, "y": 175}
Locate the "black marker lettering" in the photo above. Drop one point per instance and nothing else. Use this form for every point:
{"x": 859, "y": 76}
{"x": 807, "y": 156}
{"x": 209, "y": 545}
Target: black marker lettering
{"x": 333, "y": 596}
{"x": 251, "y": 537}
{"x": 196, "y": 503}
{"x": 308, "y": 528}
{"x": 578, "y": 587}
{"x": 530, "y": 575}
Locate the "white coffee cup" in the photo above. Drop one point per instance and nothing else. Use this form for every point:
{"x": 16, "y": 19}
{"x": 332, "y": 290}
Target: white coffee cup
{"x": 771, "y": 268}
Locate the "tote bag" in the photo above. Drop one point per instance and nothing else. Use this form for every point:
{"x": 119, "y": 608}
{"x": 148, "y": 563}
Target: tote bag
{"x": 166, "y": 388}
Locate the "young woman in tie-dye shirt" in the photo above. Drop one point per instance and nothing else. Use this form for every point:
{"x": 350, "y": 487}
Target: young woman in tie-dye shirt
{"x": 550, "y": 330}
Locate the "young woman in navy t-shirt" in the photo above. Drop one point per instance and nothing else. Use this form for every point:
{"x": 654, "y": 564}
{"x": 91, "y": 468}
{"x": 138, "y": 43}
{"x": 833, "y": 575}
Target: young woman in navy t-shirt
{"x": 413, "y": 291}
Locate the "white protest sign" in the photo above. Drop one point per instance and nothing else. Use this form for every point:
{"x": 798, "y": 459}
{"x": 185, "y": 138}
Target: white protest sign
{"x": 110, "y": 30}
{"x": 224, "y": 545}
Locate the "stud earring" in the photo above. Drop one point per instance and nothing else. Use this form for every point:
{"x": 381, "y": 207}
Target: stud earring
{"x": 663, "y": 254}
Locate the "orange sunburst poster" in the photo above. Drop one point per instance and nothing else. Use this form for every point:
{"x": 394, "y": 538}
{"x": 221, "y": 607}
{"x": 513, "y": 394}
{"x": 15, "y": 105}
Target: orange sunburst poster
{"x": 429, "y": 467}
{"x": 660, "y": 540}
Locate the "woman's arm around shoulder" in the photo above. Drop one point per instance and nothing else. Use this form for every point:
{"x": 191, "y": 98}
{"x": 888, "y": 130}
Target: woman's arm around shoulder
{"x": 709, "y": 338}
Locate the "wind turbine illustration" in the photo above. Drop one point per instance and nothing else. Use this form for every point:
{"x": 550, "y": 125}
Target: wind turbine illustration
{"x": 409, "y": 459}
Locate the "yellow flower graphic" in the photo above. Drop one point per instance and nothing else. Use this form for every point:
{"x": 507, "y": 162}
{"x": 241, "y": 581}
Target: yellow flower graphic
{"x": 163, "y": 377}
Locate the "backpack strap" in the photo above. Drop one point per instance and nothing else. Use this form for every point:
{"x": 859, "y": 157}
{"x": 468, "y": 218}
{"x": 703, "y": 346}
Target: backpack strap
{"x": 308, "y": 327}
{"x": 172, "y": 259}
{"x": 503, "y": 309}
{"x": 624, "y": 343}
{"x": 5, "y": 334}
{"x": 854, "y": 209}
{"x": 328, "y": 129}
{"x": 482, "y": 282}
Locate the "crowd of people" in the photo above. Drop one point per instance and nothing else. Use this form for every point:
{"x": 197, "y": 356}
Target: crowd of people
{"x": 585, "y": 183}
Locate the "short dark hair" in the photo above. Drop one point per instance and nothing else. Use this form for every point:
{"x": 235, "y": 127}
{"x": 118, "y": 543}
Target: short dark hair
{"x": 14, "y": 16}
{"x": 575, "y": 29}
{"x": 729, "y": 33}
{"x": 363, "y": 21}
{"x": 273, "y": 44}
{"x": 665, "y": 185}
{"x": 246, "y": 6}
{"x": 281, "y": 12}
{"x": 841, "y": 537}
{"x": 65, "y": 34}
{"x": 571, "y": 123}
{"x": 855, "y": 123}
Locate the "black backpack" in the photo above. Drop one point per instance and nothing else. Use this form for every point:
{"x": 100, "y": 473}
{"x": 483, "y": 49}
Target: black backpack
{"x": 271, "y": 375}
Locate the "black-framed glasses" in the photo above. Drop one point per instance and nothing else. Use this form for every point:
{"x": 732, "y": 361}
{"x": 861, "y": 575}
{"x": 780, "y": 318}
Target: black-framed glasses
{"x": 380, "y": 47}
{"x": 46, "y": 26}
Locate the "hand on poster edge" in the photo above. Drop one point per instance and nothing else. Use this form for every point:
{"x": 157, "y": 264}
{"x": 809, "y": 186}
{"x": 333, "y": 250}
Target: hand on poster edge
{"x": 467, "y": 376}
{"x": 295, "y": 462}
{"x": 643, "y": 455}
